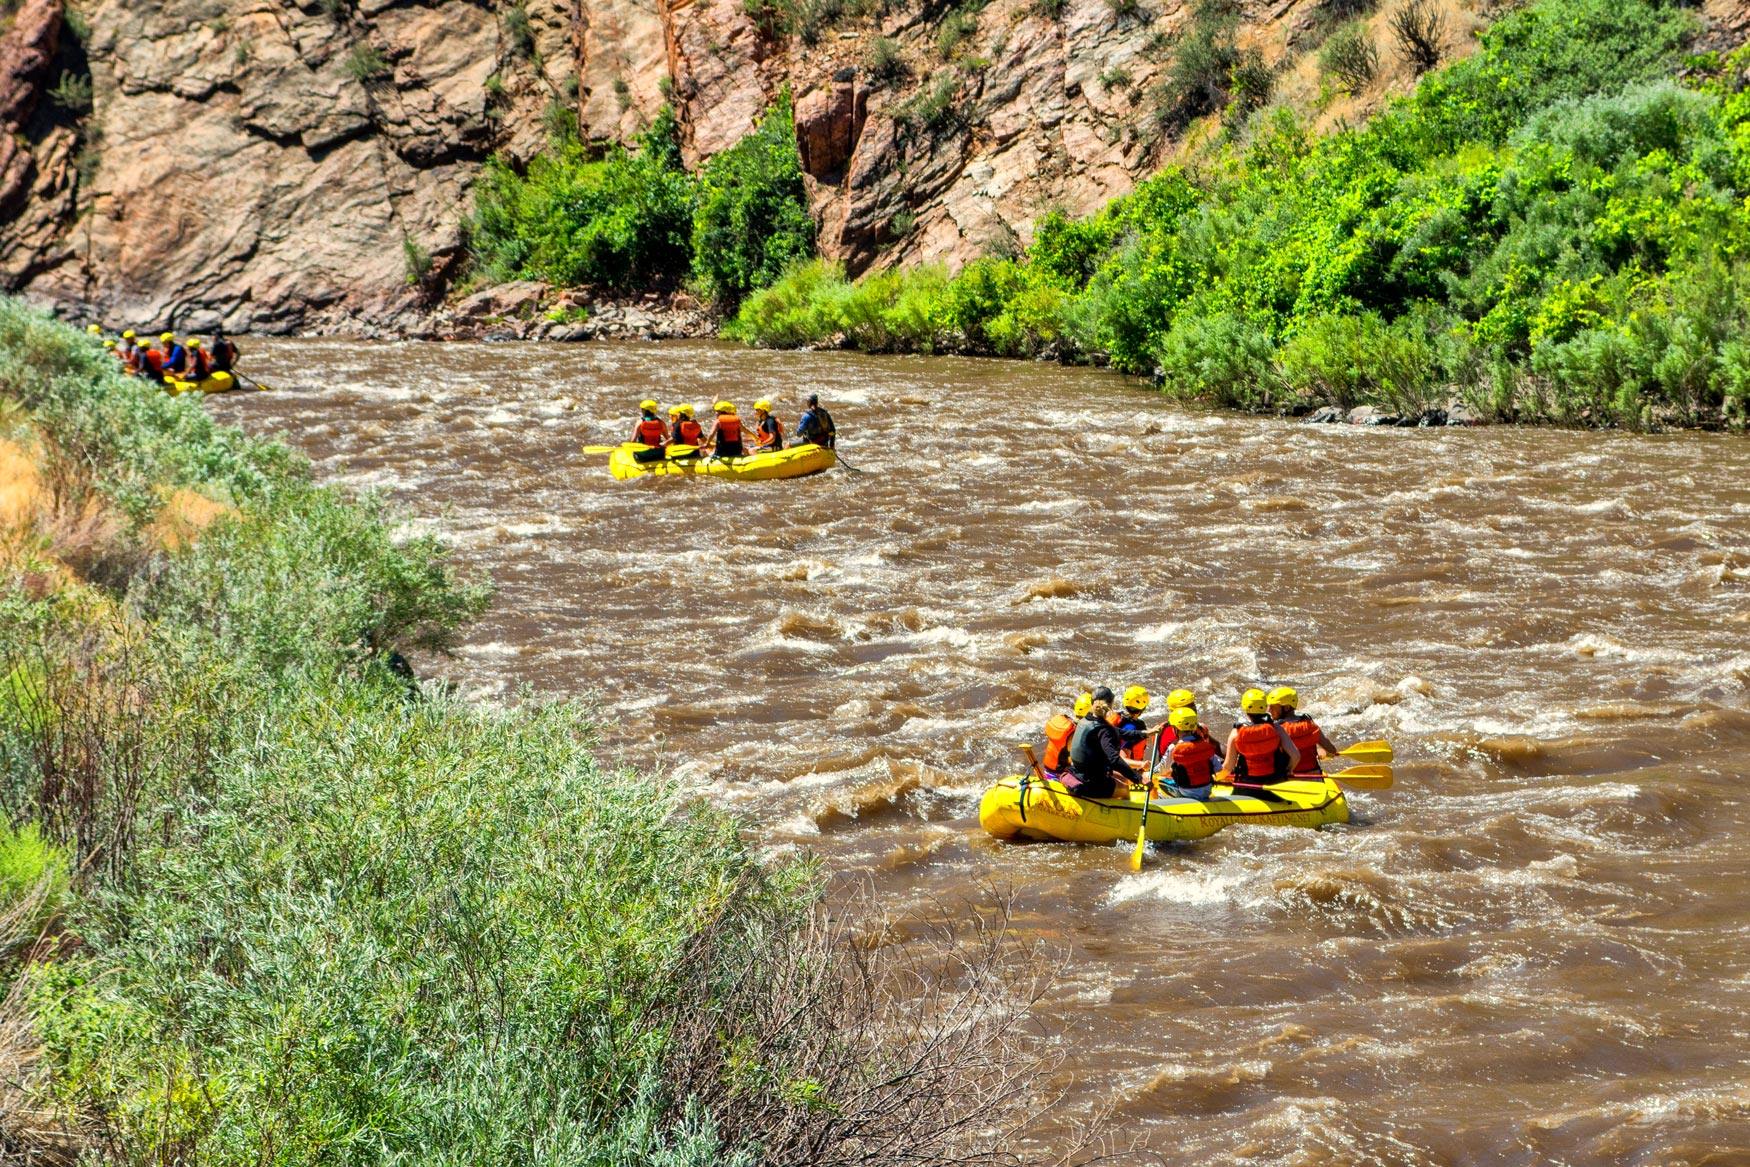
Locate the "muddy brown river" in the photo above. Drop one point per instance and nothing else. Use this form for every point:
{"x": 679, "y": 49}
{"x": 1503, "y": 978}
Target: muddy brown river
{"x": 1534, "y": 949}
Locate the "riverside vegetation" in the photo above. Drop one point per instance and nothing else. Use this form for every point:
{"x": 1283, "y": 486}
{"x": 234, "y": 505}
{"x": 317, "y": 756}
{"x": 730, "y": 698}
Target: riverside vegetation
{"x": 1550, "y": 230}
{"x": 268, "y": 899}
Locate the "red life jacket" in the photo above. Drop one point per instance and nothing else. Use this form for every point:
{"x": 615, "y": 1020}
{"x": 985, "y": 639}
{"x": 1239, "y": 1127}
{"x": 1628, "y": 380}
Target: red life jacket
{"x": 688, "y": 433}
{"x": 1303, "y": 731}
{"x": 1192, "y": 759}
{"x": 1058, "y": 731}
{"x": 199, "y": 365}
{"x": 729, "y": 427}
{"x": 651, "y": 432}
{"x": 1261, "y": 758}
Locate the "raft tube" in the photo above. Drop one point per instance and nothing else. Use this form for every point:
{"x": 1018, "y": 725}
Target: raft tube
{"x": 792, "y": 463}
{"x": 211, "y": 383}
{"x": 1052, "y": 812}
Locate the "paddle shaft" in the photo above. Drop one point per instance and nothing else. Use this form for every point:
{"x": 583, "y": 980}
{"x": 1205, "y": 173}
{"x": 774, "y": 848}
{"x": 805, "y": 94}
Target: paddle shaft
{"x": 1147, "y": 799}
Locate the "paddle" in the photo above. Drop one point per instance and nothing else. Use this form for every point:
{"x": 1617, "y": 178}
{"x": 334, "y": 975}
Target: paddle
{"x": 1369, "y": 752}
{"x": 616, "y": 449}
{"x": 1027, "y": 748}
{"x": 841, "y": 461}
{"x": 1365, "y": 777}
{"x": 1147, "y": 798}
{"x": 259, "y": 387}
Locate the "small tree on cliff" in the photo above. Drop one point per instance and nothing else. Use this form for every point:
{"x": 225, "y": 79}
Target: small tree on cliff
{"x": 753, "y": 218}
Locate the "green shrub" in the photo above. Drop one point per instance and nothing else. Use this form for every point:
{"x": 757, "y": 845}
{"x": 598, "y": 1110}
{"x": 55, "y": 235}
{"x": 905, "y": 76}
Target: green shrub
{"x": 1201, "y": 74}
{"x": 933, "y": 108}
{"x": 883, "y": 64}
{"x": 624, "y": 221}
{"x": 366, "y": 64}
{"x": 752, "y": 219}
{"x": 1349, "y": 57}
{"x": 1223, "y": 358}
{"x": 1347, "y": 360}
{"x": 1420, "y": 30}
{"x": 519, "y": 34}
{"x": 954, "y": 28}
{"x": 34, "y": 879}
{"x": 72, "y": 93}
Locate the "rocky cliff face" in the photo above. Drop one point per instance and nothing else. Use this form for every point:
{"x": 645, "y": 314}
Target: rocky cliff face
{"x": 277, "y": 167}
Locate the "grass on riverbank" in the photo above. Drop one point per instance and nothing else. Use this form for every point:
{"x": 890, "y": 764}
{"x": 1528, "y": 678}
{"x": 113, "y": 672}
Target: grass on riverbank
{"x": 1549, "y": 230}
{"x": 264, "y": 900}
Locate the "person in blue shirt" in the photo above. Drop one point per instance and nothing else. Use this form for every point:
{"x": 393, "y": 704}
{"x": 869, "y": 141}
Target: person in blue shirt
{"x": 816, "y": 426}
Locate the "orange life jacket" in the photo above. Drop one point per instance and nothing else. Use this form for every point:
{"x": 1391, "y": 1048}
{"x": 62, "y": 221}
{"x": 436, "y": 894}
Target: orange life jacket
{"x": 768, "y": 435}
{"x": 1136, "y": 751}
{"x": 1192, "y": 759}
{"x": 688, "y": 433}
{"x": 1303, "y": 731}
{"x": 1260, "y": 752}
{"x": 729, "y": 427}
{"x": 651, "y": 432}
{"x": 1058, "y": 731}
{"x": 199, "y": 365}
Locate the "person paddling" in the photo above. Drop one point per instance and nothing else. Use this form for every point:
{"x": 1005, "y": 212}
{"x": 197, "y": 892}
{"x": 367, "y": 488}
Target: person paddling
{"x": 767, "y": 433}
{"x": 151, "y": 364}
{"x": 649, "y": 431}
{"x": 1258, "y": 750}
{"x": 175, "y": 362}
{"x": 1308, "y": 738}
{"x": 199, "y": 368}
{"x": 1132, "y": 730}
{"x": 221, "y": 352}
{"x": 1096, "y": 755}
{"x": 1191, "y": 755}
{"x": 815, "y": 426}
{"x": 684, "y": 430}
{"x": 1058, "y": 732}
{"x": 726, "y": 432}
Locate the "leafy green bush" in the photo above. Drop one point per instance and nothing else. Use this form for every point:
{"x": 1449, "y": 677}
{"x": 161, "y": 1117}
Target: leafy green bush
{"x": 1222, "y": 357}
{"x": 752, "y": 219}
{"x": 624, "y": 221}
{"x": 34, "y": 878}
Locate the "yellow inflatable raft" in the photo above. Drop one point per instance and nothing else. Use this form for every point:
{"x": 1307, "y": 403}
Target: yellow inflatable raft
{"x": 1046, "y": 810}
{"x": 211, "y": 383}
{"x": 792, "y": 463}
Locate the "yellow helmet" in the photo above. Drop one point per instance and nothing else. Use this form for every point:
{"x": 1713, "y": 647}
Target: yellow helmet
{"x": 677, "y": 410}
{"x": 167, "y": 337}
{"x": 762, "y": 403}
{"x": 1252, "y": 701}
{"x": 1136, "y": 697}
{"x": 1084, "y": 703}
{"x": 686, "y": 410}
{"x": 724, "y": 407}
{"x": 648, "y": 404}
{"x": 1181, "y": 699}
{"x": 93, "y": 329}
{"x": 194, "y": 344}
{"x": 1284, "y": 696}
{"x": 1183, "y": 719}
{"x": 128, "y": 335}
{"x": 109, "y": 344}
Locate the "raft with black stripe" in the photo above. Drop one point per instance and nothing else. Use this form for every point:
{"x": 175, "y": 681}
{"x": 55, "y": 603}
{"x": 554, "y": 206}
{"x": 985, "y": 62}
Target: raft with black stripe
{"x": 1045, "y": 810}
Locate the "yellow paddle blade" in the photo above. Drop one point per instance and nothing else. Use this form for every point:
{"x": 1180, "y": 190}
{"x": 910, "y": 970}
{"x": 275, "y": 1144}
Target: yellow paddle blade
{"x": 1141, "y": 843}
{"x": 600, "y": 449}
{"x": 1369, "y": 752}
{"x": 1365, "y": 777}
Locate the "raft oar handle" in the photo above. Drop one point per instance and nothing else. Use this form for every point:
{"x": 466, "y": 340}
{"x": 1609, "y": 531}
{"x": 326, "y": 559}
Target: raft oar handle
{"x": 1147, "y": 800}
{"x": 1027, "y": 748}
